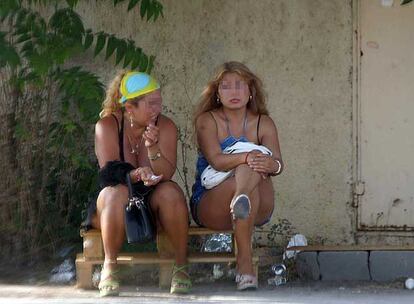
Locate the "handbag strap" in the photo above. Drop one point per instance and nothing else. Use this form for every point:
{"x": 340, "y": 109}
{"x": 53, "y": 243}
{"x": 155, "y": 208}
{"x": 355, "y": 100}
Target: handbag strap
{"x": 128, "y": 179}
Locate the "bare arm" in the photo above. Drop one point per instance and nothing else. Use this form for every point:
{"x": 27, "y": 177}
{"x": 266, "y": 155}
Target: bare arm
{"x": 210, "y": 147}
{"x": 269, "y": 138}
{"x": 106, "y": 140}
{"x": 166, "y": 145}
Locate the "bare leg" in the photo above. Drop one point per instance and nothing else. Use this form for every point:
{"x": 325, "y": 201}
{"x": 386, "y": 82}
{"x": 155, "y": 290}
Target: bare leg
{"x": 246, "y": 180}
{"x": 214, "y": 210}
{"x": 267, "y": 197}
{"x": 110, "y": 212}
{"x": 168, "y": 203}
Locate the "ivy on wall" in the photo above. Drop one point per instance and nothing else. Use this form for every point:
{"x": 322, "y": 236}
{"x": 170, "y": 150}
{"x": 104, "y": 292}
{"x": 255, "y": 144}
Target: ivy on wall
{"x": 48, "y": 107}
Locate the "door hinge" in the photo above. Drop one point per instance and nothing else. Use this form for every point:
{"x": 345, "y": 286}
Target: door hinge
{"x": 359, "y": 188}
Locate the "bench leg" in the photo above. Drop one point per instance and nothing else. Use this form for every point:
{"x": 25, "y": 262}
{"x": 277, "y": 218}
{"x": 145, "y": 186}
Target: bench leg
{"x": 165, "y": 275}
{"x": 84, "y": 275}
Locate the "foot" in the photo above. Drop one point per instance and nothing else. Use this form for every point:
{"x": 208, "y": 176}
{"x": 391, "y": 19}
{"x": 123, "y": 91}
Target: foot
{"x": 109, "y": 283}
{"x": 240, "y": 207}
{"x": 246, "y": 282}
{"x": 180, "y": 282}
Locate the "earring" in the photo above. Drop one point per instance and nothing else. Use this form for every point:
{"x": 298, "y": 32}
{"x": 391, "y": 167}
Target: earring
{"x": 250, "y": 97}
{"x": 218, "y": 100}
{"x": 130, "y": 120}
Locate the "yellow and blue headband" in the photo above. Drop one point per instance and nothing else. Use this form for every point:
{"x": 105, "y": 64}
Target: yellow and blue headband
{"x": 135, "y": 84}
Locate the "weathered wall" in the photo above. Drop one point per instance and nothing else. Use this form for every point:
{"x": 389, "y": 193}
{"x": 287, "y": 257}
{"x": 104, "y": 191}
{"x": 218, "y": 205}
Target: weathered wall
{"x": 302, "y": 50}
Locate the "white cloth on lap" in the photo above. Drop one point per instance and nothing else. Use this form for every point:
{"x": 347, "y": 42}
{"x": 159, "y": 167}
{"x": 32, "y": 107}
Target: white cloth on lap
{"x": 211, "y": 177}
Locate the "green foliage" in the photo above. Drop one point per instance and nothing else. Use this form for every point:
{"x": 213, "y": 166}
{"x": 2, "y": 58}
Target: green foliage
{"x": 8, "y": 54}
{"x": 47, "y": 43}
{"x": 403, "y": 2}
{"x": 54, "y": 104}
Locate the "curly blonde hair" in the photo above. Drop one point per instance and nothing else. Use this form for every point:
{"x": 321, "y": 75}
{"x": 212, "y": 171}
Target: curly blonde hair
{"x": 111, "y": 102}
{"x": 208, "y": 100}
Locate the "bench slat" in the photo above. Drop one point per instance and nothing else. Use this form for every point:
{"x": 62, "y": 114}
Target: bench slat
{"x": 191, "y": 231}
{"x": 154, "y": 258}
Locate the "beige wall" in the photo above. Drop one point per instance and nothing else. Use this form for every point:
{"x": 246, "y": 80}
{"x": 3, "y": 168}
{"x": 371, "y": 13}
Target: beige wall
{"x": 302, "y": 50}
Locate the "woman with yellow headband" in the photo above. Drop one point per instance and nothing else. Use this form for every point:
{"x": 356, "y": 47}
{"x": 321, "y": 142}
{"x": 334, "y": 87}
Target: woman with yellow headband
{"x": 133, "y": 136}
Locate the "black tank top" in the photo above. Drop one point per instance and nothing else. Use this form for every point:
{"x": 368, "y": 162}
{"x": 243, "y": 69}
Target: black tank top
{"x": 121, "y": 135}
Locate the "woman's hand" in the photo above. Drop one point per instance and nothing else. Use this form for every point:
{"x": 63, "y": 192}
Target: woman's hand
{"x": 151, "y": 135}
{"x": 262, "y": 163}
{"x": 146, "y": 175}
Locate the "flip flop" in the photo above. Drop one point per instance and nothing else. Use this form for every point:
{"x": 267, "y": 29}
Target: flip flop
{"x": 240, "y": 207}
{"x": 246, "y": 282}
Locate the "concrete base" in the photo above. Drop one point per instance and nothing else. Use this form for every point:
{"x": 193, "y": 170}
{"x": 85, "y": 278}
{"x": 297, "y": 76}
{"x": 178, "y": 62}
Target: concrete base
{"x": 307, "y": 266}
{"x": 381, "y": 266}
{"x": 344, "y": 266}
{"x": 391, "y": 265}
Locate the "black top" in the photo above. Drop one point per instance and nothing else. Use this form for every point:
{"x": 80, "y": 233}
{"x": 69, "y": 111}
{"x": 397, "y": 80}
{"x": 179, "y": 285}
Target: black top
{"x": 120, "y": 137}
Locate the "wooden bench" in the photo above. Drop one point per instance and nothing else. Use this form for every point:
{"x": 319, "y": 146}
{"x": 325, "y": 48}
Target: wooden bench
{"x": 93, "y": 254}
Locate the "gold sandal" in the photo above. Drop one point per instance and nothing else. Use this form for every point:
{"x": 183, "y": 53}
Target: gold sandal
{"x": 109, "y": 284}
{"x": 180, "y": 285}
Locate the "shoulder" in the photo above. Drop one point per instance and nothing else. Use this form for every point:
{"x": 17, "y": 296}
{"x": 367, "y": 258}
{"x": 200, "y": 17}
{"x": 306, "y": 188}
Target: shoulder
{"x": 204, "y": 120}
{"x": 266, "y": 121}
{"x": 107, "y": 125}
{"x": 166, "y": 123}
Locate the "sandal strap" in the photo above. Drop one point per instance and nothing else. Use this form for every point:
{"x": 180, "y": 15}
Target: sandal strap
{"x": 180, "y": 284}
{"x": 110, "y": 274}
{"x": 181, "y": 268}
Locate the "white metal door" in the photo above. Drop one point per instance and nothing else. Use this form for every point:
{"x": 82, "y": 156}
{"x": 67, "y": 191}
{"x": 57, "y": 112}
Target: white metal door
{"x": 386, "y": 116}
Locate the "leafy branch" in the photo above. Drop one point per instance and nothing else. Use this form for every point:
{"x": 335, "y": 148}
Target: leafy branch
{"x": 49, "y": 105}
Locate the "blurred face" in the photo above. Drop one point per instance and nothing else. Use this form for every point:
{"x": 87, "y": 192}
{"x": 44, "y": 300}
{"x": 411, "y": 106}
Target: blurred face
{"x": 147, "y": 108}
{"x": 233, "y": 91}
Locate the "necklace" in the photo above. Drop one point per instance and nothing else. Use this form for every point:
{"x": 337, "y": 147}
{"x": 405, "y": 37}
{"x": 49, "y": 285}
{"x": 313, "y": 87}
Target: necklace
{"x": 135, "y": 149}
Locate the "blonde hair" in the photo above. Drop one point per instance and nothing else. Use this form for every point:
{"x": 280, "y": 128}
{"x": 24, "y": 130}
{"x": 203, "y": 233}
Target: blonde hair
{"x": 208, "y": 100}
{"x": 111, "y": 102}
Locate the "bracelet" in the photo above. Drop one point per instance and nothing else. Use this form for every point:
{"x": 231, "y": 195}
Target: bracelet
{"x": 154, "y": 157}
{"x": 279, "y": 169}
{"x": 247, "y": 155}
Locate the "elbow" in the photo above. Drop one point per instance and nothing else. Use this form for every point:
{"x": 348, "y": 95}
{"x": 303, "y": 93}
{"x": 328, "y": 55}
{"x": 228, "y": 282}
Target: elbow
{"x": 167, "y": 177}
{"x": 219, "y": 166}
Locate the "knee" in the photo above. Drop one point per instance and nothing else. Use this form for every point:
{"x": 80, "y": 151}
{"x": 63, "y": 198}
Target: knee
{"x": 169, "y": 194}
{"x": 115, "y": 196}
{"x": 243, "y": 167}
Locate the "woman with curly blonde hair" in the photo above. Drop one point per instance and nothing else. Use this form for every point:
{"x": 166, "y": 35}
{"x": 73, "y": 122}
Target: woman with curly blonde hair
{"x": 134, "y": 141}
{"x": 230, "y": 117}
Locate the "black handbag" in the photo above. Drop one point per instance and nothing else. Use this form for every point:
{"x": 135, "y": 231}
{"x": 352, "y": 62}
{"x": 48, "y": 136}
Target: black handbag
{"x": 139, "y": 222}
